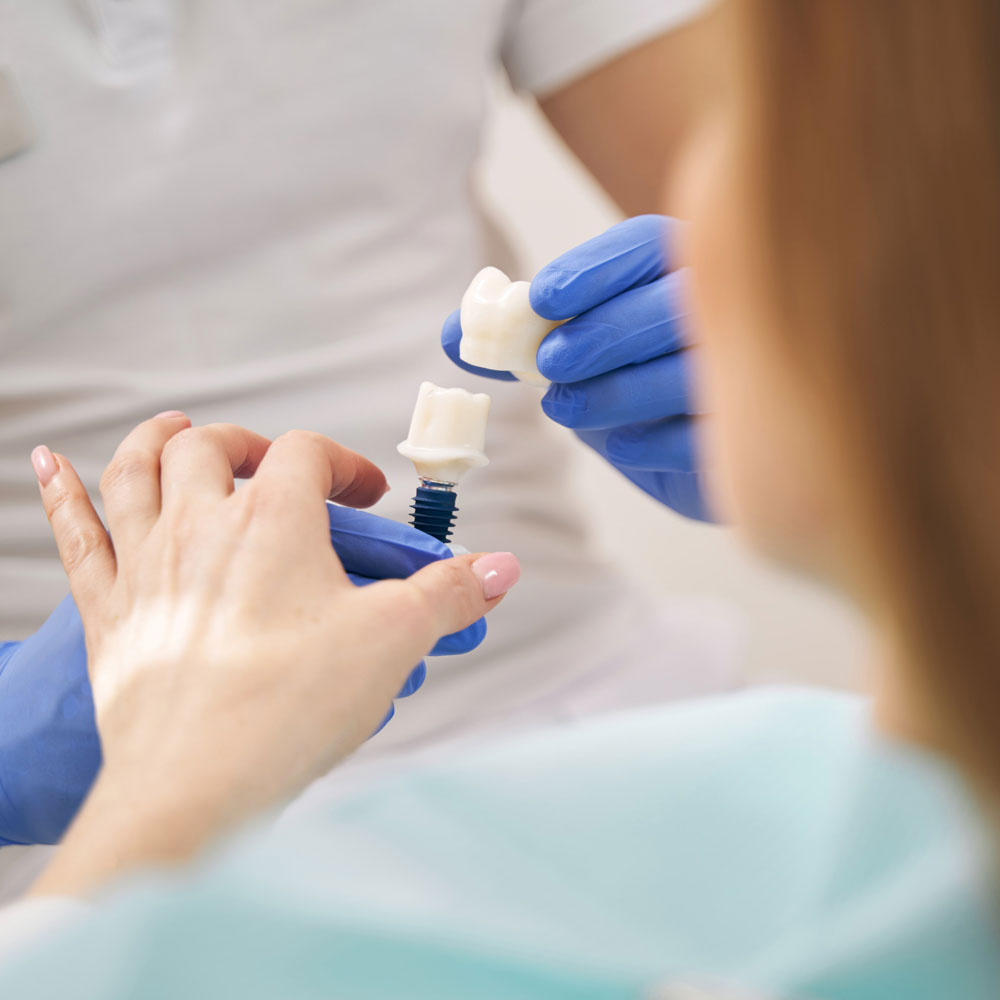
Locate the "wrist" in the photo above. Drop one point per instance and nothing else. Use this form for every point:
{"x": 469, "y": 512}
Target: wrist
{"x": 119, "y": 830}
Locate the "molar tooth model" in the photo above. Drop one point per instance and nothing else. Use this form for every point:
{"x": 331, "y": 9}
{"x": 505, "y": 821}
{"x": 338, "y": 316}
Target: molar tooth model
{"x": 446, "y": 440}
{"x": 500, "y": 330}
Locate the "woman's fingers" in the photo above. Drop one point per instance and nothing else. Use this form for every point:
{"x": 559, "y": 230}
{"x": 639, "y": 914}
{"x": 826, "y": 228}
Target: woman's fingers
{"x": 130, "y": 484}
{"x": 204, "y": 461}
{"x": 303, "y": 469}
{"x": 300, "y": 471}
{"x": 84, "y": 546}
{"x": 442, "y": 598}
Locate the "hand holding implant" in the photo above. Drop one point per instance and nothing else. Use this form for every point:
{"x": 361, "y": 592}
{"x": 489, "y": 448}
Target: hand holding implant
{"x": 613, "y": 344}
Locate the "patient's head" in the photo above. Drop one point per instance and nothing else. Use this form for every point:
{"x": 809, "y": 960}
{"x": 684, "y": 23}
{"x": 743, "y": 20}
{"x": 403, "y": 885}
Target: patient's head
{"x": 845, "y": 239}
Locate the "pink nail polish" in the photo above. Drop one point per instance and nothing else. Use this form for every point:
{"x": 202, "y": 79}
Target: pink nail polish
{"x": 169, "y": 413}
{"x": 44, "y": 464}
{"x": 497, "y": 572}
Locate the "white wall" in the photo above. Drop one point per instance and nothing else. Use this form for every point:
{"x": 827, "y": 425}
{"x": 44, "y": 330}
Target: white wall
{"x": 545, "y": 203}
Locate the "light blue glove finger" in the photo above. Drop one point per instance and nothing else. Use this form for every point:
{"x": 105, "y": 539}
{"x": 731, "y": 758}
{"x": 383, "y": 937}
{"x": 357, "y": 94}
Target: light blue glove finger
{"x": 451, "y": 338}
{"x": 634, "y": 394}
{"x": 627, "y": 255}
{"x": 381, "y": 549}
{"x": 638, "y": 325}
{"x": 417, "y": 677}
{"x": 678, "y": 489}
{"x": 49, "y": 749}
{"x": 664, "y": 445}
{"x": 618, "y": 366}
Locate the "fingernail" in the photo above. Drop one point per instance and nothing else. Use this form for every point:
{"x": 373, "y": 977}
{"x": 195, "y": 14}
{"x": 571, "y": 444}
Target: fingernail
{"x": 497, "y": 572}
{"x": 44, "y": 464}
{"x": 169, "y": 413}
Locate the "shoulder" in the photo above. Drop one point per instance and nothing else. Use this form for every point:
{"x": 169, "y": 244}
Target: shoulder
{"x": 775, "y": 728}
{"x": 551, "y": 43}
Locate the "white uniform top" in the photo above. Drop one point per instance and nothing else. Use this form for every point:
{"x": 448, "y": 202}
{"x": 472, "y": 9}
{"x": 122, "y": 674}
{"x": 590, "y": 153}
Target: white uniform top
{"x": 260, "y": 212}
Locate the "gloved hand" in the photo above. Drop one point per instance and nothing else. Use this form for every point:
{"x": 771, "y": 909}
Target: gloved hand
{"x": 49, "y": 748}
{"x": 375, "y": 548}
{"x": 619, "y": 368}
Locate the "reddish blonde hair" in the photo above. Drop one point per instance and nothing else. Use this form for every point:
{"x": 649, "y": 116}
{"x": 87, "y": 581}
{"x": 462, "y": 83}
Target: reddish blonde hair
{"x": 874, "y": 172}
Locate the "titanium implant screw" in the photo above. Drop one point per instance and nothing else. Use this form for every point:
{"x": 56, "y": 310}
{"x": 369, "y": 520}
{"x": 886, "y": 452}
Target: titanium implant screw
{"x": 434, "y": 509}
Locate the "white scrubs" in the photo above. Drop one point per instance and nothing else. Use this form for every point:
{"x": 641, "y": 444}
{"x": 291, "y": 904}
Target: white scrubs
{"x": 261, "y": 213}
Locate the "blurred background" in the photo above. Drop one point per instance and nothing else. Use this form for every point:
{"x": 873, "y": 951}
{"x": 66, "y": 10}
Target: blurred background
{"x": 228, "y": 229}
{"x": 545, "y": 203}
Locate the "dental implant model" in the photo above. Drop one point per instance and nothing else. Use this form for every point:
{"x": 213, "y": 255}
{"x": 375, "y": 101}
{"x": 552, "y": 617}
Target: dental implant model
{"x": 446, "y": 440}
{"x": 500, "y": 330}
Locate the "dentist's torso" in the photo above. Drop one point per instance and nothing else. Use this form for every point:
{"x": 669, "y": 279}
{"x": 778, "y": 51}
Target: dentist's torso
{"x": 260, "y": 212}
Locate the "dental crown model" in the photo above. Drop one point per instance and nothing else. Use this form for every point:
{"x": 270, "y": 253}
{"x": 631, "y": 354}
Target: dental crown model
{"x": 447, "y": 437}
{"x": 500, "y": 330}
{"x": 447, "y": 433}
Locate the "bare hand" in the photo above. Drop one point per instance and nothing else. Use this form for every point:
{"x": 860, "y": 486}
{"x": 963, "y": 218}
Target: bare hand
{"x": 232, "y": 660}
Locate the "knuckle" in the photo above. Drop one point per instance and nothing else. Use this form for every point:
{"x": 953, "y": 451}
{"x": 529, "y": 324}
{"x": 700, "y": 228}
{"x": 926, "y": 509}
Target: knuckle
{"x": 59, "y": 502}
{"x": 305, "y": 439}
{"x": 79, "y": 546}
{"x": 123, "y": 470}
{"x": 411, "y": 606}
{"x": 259, "y": 501}
{"x": 218, "y": 435}
{"x": 180, "y": 527}
{"x": 457, "y": 589}
{"x": 183, "y": 440}
{"x": 217, "y": 428}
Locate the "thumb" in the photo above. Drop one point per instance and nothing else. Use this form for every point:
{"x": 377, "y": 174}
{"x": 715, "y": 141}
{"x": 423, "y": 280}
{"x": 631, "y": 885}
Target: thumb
{"x": 461, "y": 590}
{"x": 454, "y": 593}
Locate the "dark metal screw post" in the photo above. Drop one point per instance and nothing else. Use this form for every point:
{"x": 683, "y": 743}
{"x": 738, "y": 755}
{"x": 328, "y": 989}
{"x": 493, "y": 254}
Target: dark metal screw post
{"x": 434, "y": 509}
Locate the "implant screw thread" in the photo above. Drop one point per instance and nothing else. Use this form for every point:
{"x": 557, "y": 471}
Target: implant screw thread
{"x": 434, "y": 509}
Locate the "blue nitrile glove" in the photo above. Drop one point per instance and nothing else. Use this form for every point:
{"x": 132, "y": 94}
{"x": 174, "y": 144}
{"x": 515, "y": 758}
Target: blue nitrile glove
{"x": 375, "y": 548}
{"x": 49, "y": 748}
{"x": 619, "y": 369}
